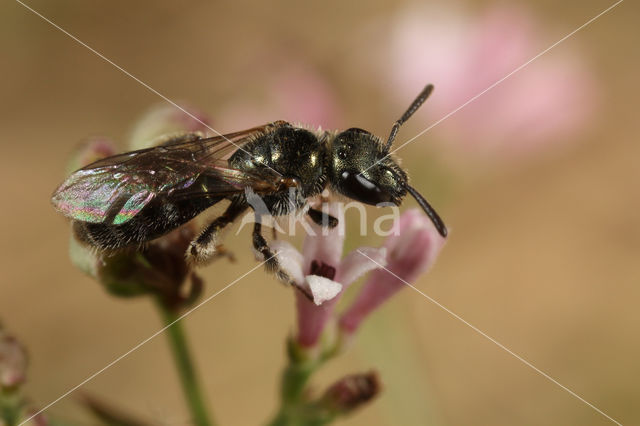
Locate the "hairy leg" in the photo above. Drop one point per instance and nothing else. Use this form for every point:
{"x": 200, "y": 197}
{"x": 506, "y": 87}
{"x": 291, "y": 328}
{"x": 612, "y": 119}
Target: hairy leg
{"x": 203, "y": 248}
{"x": 272, "y": 265}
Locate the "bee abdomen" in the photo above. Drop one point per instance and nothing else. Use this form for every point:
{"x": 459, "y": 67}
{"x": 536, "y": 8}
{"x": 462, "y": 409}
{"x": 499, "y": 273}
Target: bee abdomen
{"x": 155, "y": 220}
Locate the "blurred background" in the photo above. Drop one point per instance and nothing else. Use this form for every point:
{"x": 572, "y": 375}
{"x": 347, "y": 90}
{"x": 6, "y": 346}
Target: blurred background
{"x": 537, "y": 180}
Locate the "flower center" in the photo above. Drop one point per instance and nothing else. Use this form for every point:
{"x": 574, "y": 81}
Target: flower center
{"x": 322, "y": 269}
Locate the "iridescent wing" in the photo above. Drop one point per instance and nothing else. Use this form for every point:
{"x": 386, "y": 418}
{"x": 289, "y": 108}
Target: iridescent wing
{"x": 114, "y": 189}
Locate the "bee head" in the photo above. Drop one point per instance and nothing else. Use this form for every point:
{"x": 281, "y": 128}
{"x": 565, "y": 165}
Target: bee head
{"x": 362, "y": 167}
{"x": 362, "y": 170}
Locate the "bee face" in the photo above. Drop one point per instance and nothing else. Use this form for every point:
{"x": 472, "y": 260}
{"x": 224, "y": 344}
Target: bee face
{"x": 360, "y": 169}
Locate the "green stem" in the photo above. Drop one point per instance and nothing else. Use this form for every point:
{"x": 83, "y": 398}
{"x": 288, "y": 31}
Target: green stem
{"x": 295, "y": 407}
{"x": 10, "y": 406}
{"x": 294, "y": 381}
{"x": 184, "y": 365}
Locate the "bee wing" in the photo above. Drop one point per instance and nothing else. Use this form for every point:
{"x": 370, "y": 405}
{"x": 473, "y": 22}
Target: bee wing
{"x": 115, "y": 189}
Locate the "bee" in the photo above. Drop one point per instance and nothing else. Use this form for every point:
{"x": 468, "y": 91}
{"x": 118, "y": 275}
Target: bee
{"x": 131, "y": 198}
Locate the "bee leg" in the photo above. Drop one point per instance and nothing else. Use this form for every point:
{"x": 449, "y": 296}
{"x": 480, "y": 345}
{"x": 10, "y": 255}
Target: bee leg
{"x": 271, "y": 261}
{"x": 203, "y": 248}
{"x": 323, "y": 219}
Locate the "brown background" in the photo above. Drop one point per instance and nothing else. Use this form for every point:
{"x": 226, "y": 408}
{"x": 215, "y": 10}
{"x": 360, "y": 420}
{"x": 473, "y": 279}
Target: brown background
{"x": 543, "y": 257}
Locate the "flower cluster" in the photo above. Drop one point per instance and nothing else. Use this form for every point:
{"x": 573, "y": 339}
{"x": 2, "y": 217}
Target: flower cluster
{"x": 322, "y": 272}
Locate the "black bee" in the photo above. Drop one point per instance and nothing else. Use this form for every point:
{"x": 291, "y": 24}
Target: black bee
{"x": 134, "y": 197}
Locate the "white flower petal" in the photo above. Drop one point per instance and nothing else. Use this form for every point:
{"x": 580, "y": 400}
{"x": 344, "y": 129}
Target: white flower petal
{"x": 359, "y": 262}
{"x": 290, "y": 260}
{"x": 322, "y": 289}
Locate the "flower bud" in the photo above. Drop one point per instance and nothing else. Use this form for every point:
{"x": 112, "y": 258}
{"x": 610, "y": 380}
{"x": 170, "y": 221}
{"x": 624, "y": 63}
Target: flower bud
{"x": 412, "y": 248}
{"x": 13, "y": 362}
{"x": 89, "y": 150}
{"x": 163, "y": 120}
{"x": 351, "y": 392}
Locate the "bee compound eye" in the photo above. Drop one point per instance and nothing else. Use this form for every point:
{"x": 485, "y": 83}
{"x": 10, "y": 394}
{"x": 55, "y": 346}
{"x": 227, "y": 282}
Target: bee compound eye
{"x": 358, "y": 187}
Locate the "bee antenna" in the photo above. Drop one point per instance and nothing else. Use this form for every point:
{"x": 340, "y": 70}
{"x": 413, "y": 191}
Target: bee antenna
{"x": 435, "y": 218}
{"x": 408, "y": 113}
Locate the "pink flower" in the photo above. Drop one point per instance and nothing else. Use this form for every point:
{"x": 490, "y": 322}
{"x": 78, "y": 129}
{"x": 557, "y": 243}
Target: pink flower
{"x": 89, "y": 150}
{"x": 411, "y": 249}
{"x": 545, "y": 103}
{"x": 296, "y": 92}
{"x": 165, "y": 119}
{"x": 320, "y": 273}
